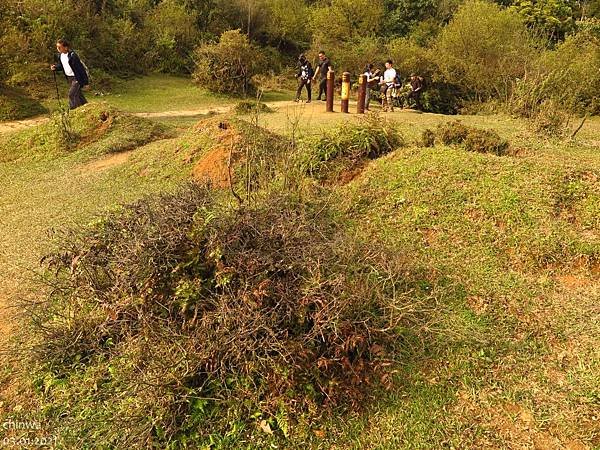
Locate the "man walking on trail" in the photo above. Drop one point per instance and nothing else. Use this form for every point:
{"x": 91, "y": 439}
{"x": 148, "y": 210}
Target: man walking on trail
{"x": 69, "y": 63}
{"x": 387, "y": 84}
{"x": 323, "y": 67}
{"x": 304, "y": 75}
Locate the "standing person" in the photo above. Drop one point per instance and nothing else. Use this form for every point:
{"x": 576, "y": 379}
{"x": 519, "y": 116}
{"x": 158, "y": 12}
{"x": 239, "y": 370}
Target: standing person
{"x": 416, "y": 88}
{"x": 69, "y": 63}
{"x": 304, "y": 75}
{"x": 323, "y": 67}
{"x": 371, "y": 76}
{"x": 387, "y": 83}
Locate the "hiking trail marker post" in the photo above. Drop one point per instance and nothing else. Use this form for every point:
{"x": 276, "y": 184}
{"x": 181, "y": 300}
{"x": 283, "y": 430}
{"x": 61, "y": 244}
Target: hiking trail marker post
{"x": 345, "y": 91}
{"x": 330, "y": 86}
{"x": 362, "y": 94}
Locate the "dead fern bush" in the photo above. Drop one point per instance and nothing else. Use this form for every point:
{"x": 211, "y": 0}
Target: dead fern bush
{"x": 188, "y": 314}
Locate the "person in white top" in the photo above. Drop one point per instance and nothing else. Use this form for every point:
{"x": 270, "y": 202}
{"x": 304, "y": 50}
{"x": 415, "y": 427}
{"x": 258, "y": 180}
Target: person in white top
{"x": 387, "y": 83}
{"x": 75, "y": 72}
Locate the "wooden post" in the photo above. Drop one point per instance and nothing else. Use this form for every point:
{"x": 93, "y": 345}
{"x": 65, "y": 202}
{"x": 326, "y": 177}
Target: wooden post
{"x": 345, "y": 91}
{"x": 330, "y": 89}
{"x": 362, "y": 94}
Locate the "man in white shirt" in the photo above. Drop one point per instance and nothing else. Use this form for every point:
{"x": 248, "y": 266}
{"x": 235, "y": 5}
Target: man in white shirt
{"x": 387, "y": 83}
{"x": 74, "y": 70}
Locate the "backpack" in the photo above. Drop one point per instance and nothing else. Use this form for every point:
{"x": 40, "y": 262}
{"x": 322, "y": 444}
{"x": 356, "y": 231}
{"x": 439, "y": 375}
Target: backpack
{"x": 87, "y": 71}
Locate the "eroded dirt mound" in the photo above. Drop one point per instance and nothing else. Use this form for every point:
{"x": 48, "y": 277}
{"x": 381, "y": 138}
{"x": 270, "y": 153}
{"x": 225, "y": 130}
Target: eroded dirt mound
{"x": 228, "y": 141}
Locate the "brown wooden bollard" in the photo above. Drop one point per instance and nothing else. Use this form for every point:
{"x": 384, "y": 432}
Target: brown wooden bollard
{"x": 362, "y": 94}
{"x": 330, "y": 86}
{"x": 345, "y": 91}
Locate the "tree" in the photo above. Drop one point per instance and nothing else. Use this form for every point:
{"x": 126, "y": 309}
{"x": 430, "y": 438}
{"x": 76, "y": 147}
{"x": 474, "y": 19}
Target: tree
{"x": 552, "y": 18}
{"x": 484, "y": 49}
{"x": 229, "y": 65}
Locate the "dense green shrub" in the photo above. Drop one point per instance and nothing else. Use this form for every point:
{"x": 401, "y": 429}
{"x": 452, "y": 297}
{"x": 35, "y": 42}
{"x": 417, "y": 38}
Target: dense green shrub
{"x": 427, "y": 138}
{"x": 349, "y": 144}
{"x": 172, "y": 28}
{"x": 16, "y": 104}
{"x": 251, "y": 106}
{"x": 473, "y": 139}
{"x": 450, "y": 133}
{"x": 485, "y": 141}
{"x": 569, "y": 76}
{"x": 229, "y": 65}
{"x": 484, "y": 49}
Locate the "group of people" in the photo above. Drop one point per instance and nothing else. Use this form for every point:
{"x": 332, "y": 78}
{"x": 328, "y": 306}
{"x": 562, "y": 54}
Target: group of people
{"x": 387, "y": 84}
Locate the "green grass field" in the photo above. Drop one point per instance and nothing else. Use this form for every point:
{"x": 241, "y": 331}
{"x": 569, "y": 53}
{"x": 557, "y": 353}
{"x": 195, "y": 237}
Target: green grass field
{"x": 507, "y": 249}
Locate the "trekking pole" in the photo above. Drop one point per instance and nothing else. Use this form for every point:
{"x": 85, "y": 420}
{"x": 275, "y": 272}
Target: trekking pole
{"x": 57, "y": 93}
{"x": 63, "y": 118}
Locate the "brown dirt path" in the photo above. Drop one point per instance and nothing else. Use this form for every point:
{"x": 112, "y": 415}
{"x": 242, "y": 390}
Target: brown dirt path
{"x": 7, "y": 127}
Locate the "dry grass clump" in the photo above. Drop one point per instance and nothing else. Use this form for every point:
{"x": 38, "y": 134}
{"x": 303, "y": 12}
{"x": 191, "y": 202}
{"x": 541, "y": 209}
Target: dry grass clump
{"x": 194, "y": 319}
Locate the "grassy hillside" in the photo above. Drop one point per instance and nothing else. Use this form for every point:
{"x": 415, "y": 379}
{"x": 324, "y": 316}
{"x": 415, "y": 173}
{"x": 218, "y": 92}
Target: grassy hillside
{"x": 502, "y": 254}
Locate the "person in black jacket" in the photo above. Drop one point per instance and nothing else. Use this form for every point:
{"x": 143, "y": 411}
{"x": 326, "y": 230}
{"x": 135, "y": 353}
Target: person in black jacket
{"x": 304, "y": 75}
{"x": 69, "y": 63}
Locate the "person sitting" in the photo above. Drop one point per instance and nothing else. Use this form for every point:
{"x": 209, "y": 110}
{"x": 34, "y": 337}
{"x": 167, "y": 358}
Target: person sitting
{"x": 387, "y": 86}
{"x": 304, "y": 75}
{"x": 416, "y": 85}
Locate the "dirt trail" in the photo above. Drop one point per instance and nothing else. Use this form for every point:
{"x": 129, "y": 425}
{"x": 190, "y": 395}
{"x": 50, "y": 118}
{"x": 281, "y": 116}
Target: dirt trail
{"x": 7, "y": 127}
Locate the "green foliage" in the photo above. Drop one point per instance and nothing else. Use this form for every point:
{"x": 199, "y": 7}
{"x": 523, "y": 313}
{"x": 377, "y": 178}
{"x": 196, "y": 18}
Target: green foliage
{"x": 483, "y": 49}
{"x": 286, "y": 25}
{"x": 402, "y": 15}
{"x": 95, "y": 129}
{"x": 565, "y": 81}
{"x": 345, "y": 21}
{"x": 550, "y": 119}
{"x": 485, "y": 141}
{"x": 473, "y": 139}
{"x": 551, "y": 18}
{"x": 172, "y": 28}
{"x": 410, "y": 57}
{"x": 348, "y": 145}
{"x": 427, "y": 138}
{"x": 251, "y": 106}
{"x": 353, "y": 55}
{"x": 451, "y": 133}
{"x": 229, "y": 65}
{"x": 16, "y": 104}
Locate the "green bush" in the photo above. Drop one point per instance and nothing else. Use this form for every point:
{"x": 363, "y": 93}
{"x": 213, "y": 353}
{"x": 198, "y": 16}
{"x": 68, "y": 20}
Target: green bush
{"x": 550, "y": 120}
{"x": 472, "y": 139}
{"x": 250, "y": 106}
{"x": 229, "y": 65}
{"x": 427, "y": 138}
{"x": 569, "y": 76}
{"x": 451, "y": 133}
{"x": 484, "y": 49}
{"x": 349, "y": 144}
{"x": 485, "y": 141}
{"x": 16, "y": 104}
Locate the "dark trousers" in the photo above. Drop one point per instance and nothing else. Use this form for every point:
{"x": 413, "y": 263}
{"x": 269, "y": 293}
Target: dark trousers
{"x": 76, "y": 98}
{"x": 323, "y": 88}
{"x": 416, "y": 96}
{"x": 301, "y": 84}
